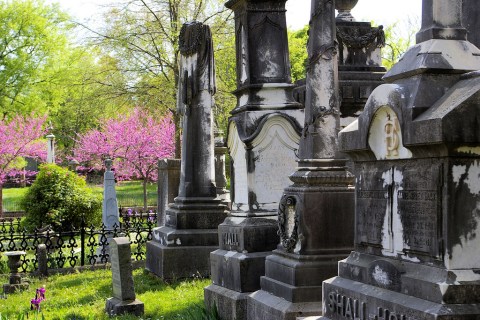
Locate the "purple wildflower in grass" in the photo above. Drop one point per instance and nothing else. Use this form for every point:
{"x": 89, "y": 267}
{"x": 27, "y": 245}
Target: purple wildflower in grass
{"x": 129, "y": 212}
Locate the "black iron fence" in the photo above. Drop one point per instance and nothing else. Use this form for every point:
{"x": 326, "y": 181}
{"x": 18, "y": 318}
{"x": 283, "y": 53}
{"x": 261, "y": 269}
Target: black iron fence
{"x": 87, "y": 245}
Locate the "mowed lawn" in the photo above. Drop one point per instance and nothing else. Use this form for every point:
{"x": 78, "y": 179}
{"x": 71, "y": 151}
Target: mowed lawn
{"x": 129, "y": 193}
{"x": 83, "y": 296}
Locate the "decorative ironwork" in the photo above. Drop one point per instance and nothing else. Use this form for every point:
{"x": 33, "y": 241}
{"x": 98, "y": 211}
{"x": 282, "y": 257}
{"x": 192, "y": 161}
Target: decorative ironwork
{"x": 288, "y": 241}
{"x": 69, "y": 249}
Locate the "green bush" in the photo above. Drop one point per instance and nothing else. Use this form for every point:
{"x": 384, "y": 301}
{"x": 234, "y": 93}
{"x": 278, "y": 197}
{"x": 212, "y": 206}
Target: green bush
{"x": 60, "y": 198}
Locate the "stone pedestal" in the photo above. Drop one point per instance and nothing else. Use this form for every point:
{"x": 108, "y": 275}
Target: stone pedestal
{"x": 182, "y": 247}
{"x": 416, "y": 160}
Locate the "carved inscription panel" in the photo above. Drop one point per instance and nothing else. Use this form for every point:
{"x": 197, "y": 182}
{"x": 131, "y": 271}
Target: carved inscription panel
{"x": 399, "y": 208}
{"x": 419, "y": 208}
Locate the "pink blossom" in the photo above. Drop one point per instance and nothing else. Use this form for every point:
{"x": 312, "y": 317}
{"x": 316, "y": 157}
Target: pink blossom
{"x": 19, "y": 137}
{"x": 134, "y": 143}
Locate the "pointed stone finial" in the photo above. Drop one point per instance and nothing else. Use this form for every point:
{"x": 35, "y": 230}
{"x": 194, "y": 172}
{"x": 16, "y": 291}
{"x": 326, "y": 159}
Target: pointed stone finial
{"x": 441, "y": 19}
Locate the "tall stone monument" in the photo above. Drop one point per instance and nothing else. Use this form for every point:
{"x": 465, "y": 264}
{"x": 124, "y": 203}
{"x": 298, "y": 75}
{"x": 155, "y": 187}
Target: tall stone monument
{"x": 263, "y": 137}
{"x": 181, "y": 248}
{"x": 316, "y": 212}
{"x": 167, "y": 187}
{"x": 50, "y": 148}
{"x": 360, "y": 68}
{"x": 417, "y": 163}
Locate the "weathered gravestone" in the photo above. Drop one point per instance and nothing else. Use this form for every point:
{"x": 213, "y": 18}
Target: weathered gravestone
{"x": 416, "y": 152}
{"x": 263, "y": 136}
{"x": 316, "y": 212}
{"x": 167, "y": 188}
{"x": 182, "y": 247}
{"x": 123, "y": 300}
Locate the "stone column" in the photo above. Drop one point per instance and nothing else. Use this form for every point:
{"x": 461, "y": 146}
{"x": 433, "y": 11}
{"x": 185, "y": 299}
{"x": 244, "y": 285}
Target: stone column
{"x": 181, "y": 248}
{"x": 263, "y": 136}
{"x": 50, "y": 148}
{"x": 316, "y": 212}
{"x": 220, "y": 172}
{"x": 417, "y": 186}
{"x": 471, "y": 21}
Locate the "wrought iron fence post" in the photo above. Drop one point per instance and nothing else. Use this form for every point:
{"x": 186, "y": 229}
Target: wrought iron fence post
{"x": 82, "y": 241}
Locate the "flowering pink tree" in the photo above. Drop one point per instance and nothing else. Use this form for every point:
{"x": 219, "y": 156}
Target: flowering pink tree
{"x": 19, "y": 138}
{"x": 134, "y": 143}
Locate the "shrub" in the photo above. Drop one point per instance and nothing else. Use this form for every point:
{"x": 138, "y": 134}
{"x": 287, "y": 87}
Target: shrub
{"x": 60, "y": 198}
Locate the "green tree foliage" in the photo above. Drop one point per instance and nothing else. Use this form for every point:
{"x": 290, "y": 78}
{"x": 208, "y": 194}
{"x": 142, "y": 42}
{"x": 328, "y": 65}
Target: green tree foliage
{"x": 32, "y": 38}
{"x": 297, "y": 42}
{"x": 399, "y": 36}
{"x": 60, "y": 198}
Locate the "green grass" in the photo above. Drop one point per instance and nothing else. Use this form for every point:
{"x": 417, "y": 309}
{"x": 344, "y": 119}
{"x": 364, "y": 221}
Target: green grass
{"x": 127, "y": 192}
{"x": 83, "y": 296}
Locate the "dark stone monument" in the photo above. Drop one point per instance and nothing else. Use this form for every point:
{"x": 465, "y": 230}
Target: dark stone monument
{"x": 471, "y": 20}
{"x": 359, "y": 62}
{"x": 264, "y": 132}
{"x": 15, "y": 281}
{"x": 168, "y": 183}
{"x": 416, "y": 153}
{"x": 316, "y": 212}
{"x": 182, "y": 247}
{"x": 123, "y": 300}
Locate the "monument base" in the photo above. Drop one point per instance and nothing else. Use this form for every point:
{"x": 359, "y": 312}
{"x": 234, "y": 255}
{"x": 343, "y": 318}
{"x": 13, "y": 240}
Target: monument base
{"x": 179, "y": 262}
{"x": 116, "y": 307}
{"x": 12, "y": 288}
{"x": 230, "y": 304}
{"x": 266, "y": 306}
{"x": 373, "y": 287}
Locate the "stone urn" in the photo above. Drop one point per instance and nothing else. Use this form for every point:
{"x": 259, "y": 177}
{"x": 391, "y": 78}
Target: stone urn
{"x": 344, "y": 8}
{"x": 14, "y": 263}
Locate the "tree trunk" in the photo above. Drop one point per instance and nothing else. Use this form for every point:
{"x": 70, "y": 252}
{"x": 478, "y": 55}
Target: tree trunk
{"x": 1, "y": 200}
{"x": 145, "y": 195}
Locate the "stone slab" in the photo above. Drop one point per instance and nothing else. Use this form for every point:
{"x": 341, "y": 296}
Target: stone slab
{"x": 231, "y": 305}
{"x": 262, "y": 305}
{"x": 238, "y": 271}
{"x": 172, "y": 263}
{"x": 116, "y": 307}
{"x": 122, "y": 278}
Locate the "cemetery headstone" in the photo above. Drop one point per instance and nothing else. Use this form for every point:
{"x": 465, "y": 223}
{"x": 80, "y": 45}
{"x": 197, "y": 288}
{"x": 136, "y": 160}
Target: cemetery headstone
{"x": 315, "y": 214}
{"x": 182, "y": 247}
{"x": 417, "y": 162}
{"x": 124, "y": 300}
{"x": 42, "y": 260}
{"x": 263, "y": 136}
